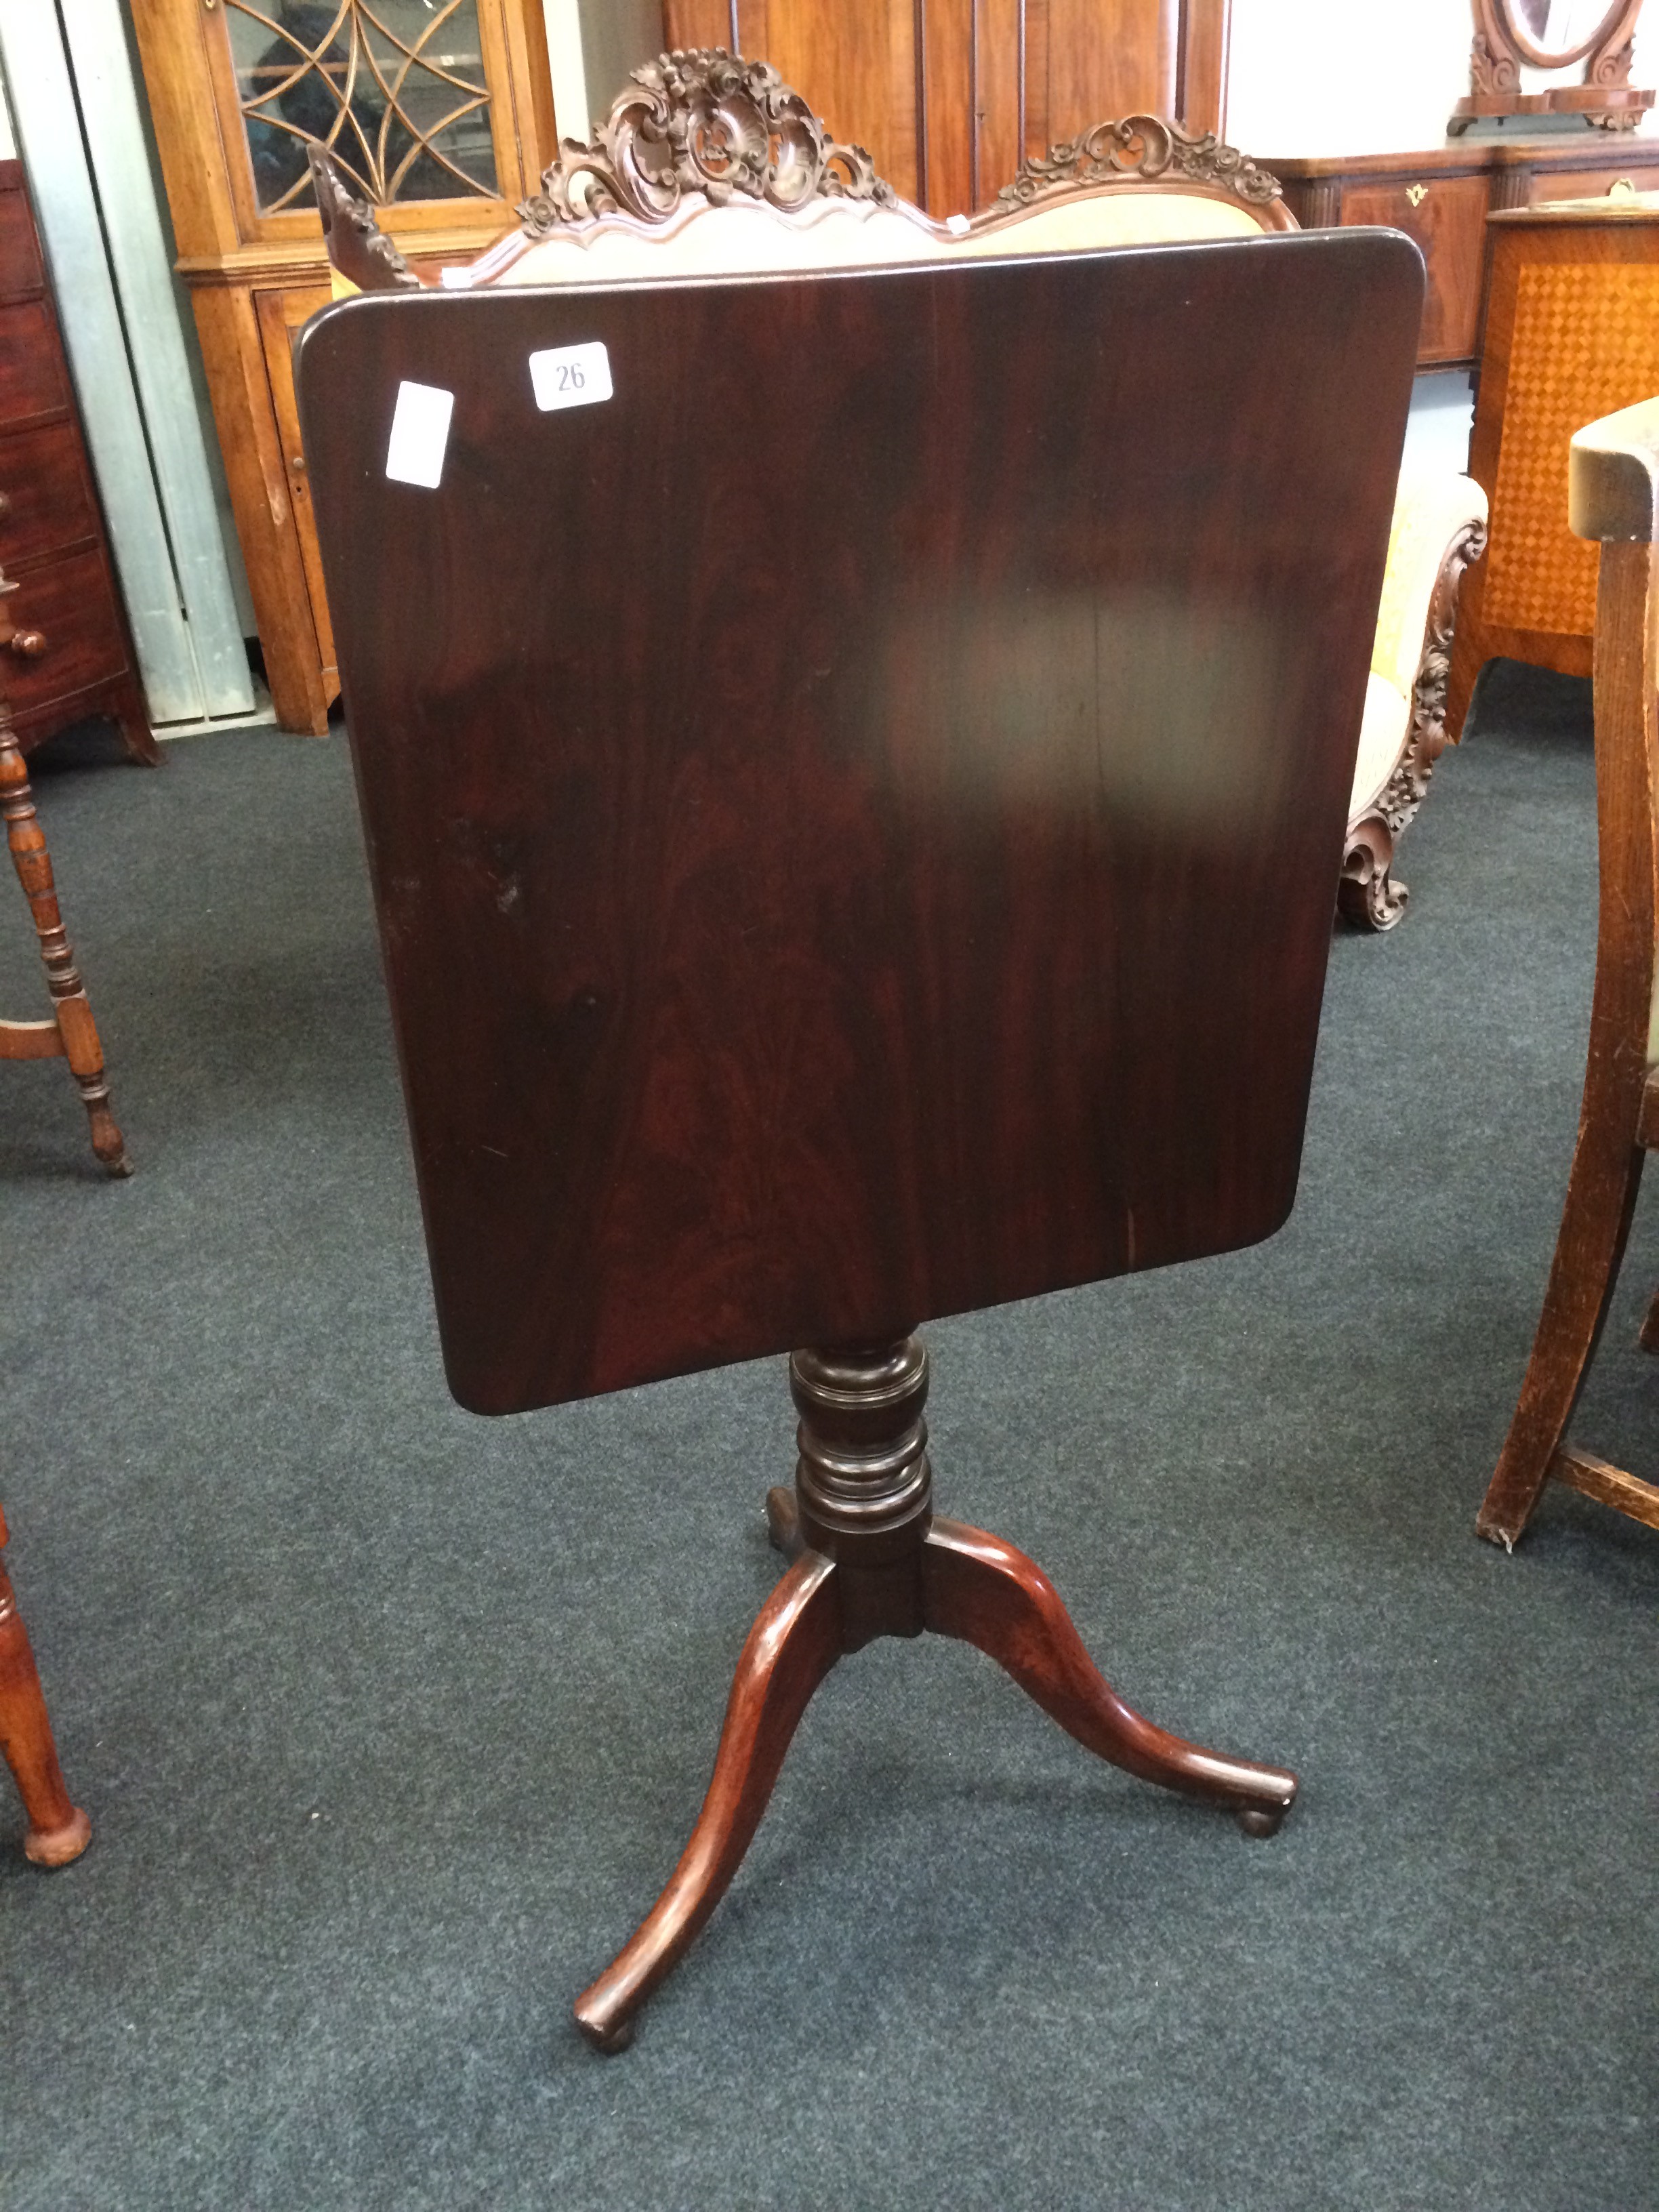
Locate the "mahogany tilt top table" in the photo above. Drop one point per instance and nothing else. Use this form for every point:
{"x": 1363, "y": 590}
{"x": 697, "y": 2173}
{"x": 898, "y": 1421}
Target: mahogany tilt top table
{"x": 854, "y": 787}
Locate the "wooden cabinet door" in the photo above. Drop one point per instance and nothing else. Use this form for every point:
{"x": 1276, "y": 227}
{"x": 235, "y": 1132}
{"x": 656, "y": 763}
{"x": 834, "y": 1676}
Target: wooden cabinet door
{"x": 949, "y": 96}
{"x": 281, "y": 314}
{"x": 1447, "y": 216}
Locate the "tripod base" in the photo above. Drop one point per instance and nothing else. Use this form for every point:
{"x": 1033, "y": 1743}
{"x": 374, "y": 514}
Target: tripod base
{"x": 895, "y": 1571}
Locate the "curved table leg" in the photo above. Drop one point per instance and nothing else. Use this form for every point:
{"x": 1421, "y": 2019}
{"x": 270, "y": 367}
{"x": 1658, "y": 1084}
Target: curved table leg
{"x": 783, "y": 1523}
{"x": 981, "y": 1590}
{"x": 791, "y": 1648}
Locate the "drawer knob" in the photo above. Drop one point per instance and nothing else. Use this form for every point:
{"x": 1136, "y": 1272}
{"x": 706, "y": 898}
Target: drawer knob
{"x": 29, "y": 643}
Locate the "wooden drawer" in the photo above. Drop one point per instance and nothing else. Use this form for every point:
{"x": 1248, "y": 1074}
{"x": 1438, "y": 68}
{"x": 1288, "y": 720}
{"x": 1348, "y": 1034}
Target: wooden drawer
{"x": 68, "y": 602}
{"x": 45, "y": 499}
{"x": 20, "y": 260}
{"x": 31, "y": 382}
{"x": 1447, "y": 216}
{"x": 1590, "y": 183}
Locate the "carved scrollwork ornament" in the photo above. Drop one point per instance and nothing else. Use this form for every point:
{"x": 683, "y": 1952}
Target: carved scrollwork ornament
{"x": 1491, "y": 73}
{"x": 1368, "y": 895}
{"x": 357, "y": 247}
{"x": 702, "y": 121}
{"x": 1614, "y": 68}
{"x": 1140, "y": 146}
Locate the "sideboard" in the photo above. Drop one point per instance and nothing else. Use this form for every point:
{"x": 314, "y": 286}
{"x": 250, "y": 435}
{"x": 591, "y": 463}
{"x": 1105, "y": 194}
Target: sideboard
{"x": 1443, "y": 198}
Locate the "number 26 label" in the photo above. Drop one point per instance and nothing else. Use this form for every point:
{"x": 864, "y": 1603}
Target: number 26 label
{"x": 570, "y": 376}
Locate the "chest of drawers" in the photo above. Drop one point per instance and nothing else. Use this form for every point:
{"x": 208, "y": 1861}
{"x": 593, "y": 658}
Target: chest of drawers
{"x": 1442, "y": 199}
{"x": 69, "y": 654}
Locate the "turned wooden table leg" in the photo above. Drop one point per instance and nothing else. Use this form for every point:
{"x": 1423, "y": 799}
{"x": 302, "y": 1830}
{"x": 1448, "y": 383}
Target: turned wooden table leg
{"x": 77, "y": 1036}
{"x": 57, "y": 1831}
{"x": 986, "y": 1592}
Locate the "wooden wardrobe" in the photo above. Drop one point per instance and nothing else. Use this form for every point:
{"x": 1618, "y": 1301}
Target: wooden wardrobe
{"x": 951, "y": 95}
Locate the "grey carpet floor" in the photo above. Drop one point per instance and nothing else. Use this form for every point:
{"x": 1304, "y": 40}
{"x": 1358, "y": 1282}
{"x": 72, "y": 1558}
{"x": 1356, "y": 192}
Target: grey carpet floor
{"x": 391, "y": 1721}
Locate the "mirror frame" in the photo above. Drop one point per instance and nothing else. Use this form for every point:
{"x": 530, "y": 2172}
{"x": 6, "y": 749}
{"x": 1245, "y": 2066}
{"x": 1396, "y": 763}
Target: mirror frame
{"x": 1528, "y": 50}
{"x": 1502, "y": 48}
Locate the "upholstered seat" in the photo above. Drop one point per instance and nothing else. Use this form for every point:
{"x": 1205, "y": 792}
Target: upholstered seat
{"x": 708, "y": 167}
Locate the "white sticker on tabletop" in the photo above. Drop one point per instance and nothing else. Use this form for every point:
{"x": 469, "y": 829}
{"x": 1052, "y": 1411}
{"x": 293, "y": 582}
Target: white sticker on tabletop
{"x": 570, "y": 376}
{"x": 419, "y": 432}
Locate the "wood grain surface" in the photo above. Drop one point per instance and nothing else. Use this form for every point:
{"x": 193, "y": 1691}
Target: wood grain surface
{"x": 855, "y": 817}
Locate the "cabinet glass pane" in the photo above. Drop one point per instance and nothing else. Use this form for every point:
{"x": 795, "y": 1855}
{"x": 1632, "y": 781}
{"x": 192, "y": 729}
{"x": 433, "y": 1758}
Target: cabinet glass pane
{"x": 395, "y": 87}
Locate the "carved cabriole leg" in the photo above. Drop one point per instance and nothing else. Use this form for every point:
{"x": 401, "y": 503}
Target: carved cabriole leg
{"x": 870, "y": 1560}
{"x": 76, "y": 1034}
{"x": 1367, "y": 895}
{"x": 57, "y": 1831}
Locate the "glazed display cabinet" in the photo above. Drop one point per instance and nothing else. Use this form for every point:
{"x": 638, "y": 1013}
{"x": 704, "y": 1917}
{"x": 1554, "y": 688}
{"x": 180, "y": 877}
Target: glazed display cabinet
{"x": 442, "y": 115}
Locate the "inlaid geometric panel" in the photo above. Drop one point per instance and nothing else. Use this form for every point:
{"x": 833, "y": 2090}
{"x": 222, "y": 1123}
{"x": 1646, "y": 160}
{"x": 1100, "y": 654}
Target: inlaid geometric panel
{"x": 396, "y": 87}
{"x": 1586, "y": 343}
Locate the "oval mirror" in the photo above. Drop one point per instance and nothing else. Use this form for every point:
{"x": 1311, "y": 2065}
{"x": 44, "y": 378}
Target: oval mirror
{"x": 1551, "y": 34}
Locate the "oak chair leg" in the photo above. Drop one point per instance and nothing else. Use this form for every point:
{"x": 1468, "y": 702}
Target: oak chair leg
{"x": 72, "y": 1031}
{"x": 57, "y": 1831}
{"x": 1606, "y": 1174}
{"x": 870, "y": 1560}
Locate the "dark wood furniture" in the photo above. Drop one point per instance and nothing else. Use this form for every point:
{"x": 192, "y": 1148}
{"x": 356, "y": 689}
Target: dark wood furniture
{"x": 1511, "y": 35}
{"x": 58, "y": 1831}
{"x": 69, "y": 651}
{"x": 854, "y": 827}
{"x": 693, "y": 125}
{"x": 448, "y": 125}
{"x": 1442, "y": 198}
{"x": 950, "y": 96}
{"x": 70, "y": 1034}
{"x": 1572, "y": 334}
{"x": 1615, "y": 501}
